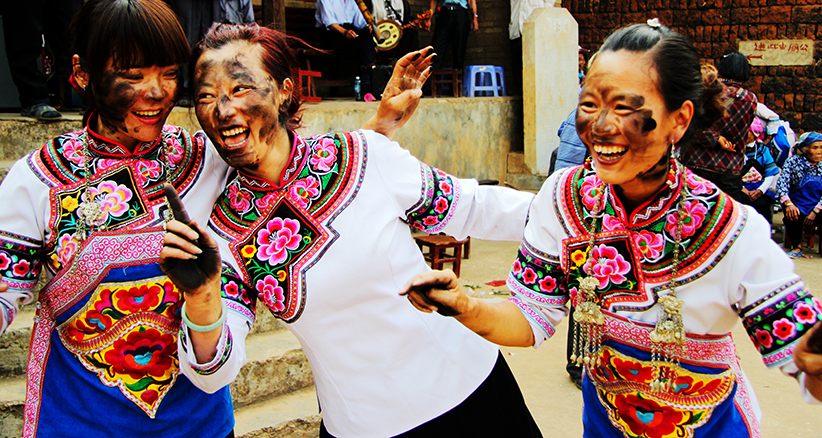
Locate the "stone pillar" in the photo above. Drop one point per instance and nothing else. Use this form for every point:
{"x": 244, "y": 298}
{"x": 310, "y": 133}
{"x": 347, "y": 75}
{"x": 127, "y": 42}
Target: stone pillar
{"x": 550, "y": 81}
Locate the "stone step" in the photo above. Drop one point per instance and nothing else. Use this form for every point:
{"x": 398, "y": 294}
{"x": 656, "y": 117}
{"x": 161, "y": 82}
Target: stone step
{"x": 519, "y": 176}
{"x": 294, "y": 415}
{"x": 276, "y": 367}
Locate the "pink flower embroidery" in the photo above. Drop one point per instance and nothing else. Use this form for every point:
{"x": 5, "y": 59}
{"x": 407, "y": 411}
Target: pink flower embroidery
{"x": 446, "y": 188}
{"x": 612, "y": 223}
{"x": 529, "y": 276}
{"x": 271, "y": 293}
{"x": 547, "y": 284}
{"x": 430, "y": 221}
{"x": 148, "y": 169}
{"x": 516, "y": 269}
{"x": 607, "y": 265}
{"x": 650, "y": 244}
{"x": 763, "y": 337}
{"x": 73, "y": 150}
{"x": 175, "y": 150}
{"x": 784, "y": 329}
{"x": 816, "y": 304}
{"x": 440, "y": 205}
{"x": 5, "y": 260}
{"x": 106, "y": 163}
{"x": 325, "y": 153}
{"x": 21, "y": 268}
{"x": 440, "y": 174}
{"x": 266, "y": 201}
{"x": 573, "y": 294}
{"x": 239, "y": 199}
{"x": 695, "y": 213}
{"x": 274, "y": 241}
{"x": 112, "y": 197}
{"x": 804, "y": 313}
{"x": 590, "y": 192}
{"x": 231, "y": 290}
{"x": 304, "y": 189}
{"x": 698, "y": 186}
{"x": 66, "y": 247}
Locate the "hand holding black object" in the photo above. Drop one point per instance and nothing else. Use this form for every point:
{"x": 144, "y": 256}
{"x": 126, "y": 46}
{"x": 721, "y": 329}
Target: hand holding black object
{"x": 189, "y": 257}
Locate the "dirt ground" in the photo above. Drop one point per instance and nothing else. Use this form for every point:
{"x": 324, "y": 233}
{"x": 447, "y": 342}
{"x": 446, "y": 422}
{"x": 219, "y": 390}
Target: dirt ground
{"x": 557, "y": 404}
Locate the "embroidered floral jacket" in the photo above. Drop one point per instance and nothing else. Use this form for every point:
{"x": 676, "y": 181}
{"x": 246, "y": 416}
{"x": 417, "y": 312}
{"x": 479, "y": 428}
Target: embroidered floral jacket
{"x": 103, "y": 358}
{"x": 729, "y": 270}
{"x": 327, "y": 250}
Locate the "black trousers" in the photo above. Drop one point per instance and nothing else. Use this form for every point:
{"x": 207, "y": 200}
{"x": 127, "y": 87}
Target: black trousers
{"x": 574, "y": 370}
{"x": 25, "y": 22}
{"x": 471, "y": 418}
{"x": 794, "y": 229}
{"x": 362, "y": 47}
{"x": 451, "y": 28}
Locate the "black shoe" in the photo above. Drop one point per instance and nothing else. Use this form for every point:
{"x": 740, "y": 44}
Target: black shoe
{"x": 42, "y": 112}
{"x": 577, "y": 382}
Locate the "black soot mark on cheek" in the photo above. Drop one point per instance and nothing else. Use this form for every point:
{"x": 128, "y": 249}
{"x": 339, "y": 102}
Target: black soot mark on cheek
{"x": 649, "y": 124}
{"x": 115, "y": 99}
{"x": 656, "y": 172}
{"x": 583, "y": 122}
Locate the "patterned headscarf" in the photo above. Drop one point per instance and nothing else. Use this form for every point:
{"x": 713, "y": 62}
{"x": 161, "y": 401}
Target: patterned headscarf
{"x": 808, "y": 138}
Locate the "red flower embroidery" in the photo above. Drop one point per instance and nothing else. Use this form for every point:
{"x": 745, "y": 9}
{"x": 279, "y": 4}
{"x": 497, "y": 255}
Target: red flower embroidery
{"x": 607, "y": 265}
{"x": 271, "y": 293}
{"x": 21, "y": 268}
{"x": 650, "y": 244}
{"x": 141, "y": 354}
{"x": 529, "y": 276}
{"x": 430, "y": 221}
{"x": 231, "y": 290}
{"x": 784, "y": 329}
{"x": 5, "y": 260}
{"x": 763, "y": 338}
{"x": 633, "y": 371}
{"x": 440, "y": 205}
{"x": 804, "y": 313}
{"x": 137, "y": 299}
{"x": 516, "y": 269}
{"x": 239, "y": 199}
{"x": 692, "y": 219}
{"x": 446, "y": 187}
{"x": 149, "y": 396}
{"x": 646, "y": 418}
{"x": 547, "y": 284}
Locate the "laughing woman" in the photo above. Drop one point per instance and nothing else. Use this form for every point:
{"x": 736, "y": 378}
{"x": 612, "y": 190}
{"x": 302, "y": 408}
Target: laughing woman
{"x": 657, "y": 262}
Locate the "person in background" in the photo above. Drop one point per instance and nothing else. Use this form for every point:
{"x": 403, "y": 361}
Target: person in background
{"x": 799, "y": 190}
{"x": 520, "y": 10}
{"x": 760, "y": 172}
{"x": 26, "y": 24}
{"x": 454, "y": 20}
{"x": 343, "y": 30}
{"x": 718, "y": 153}
{"x": 779, "y": 136}
{"x": 659, "y": 264}
{"x": 399, "y": 11}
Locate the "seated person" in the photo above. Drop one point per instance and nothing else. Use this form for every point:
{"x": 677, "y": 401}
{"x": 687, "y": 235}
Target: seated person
{"x": 759, "y": 172}
{"x": 799, "y": 189}
{"x": 779, "y": 136}
{"x": 344, "y": 30}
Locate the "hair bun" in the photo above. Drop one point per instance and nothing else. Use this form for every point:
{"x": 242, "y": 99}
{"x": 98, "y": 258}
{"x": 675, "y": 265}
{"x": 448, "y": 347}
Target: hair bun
{"x": 713, "y": 102}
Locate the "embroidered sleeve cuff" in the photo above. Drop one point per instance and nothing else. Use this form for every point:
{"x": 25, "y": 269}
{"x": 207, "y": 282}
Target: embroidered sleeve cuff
{"x": 542, "y": 327}
{"x": 224, "y": 346}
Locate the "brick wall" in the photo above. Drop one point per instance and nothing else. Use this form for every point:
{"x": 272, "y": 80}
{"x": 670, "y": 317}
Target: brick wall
{"x": 715, "y": 26}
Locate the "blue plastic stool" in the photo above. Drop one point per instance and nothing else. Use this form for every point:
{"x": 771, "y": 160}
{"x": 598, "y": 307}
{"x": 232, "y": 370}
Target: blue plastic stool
{"x": 480, "y": 80}
{"x": 500, "y": 80}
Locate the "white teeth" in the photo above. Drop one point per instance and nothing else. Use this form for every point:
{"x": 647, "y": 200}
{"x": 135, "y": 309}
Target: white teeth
{"x": 609, "y": 149}
{"x": 147, "y": 113}
{"x": 233, "y": 132}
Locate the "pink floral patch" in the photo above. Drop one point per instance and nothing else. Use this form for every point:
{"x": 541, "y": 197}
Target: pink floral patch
{"x": 266, "y": 201}
{"x": 112, "y": 197}
{"x": 239, "y": 198}
{"x": 547, "y": 284}
{"x": 73, "y": 151}
{"x": 5, "y": 260}
{"x": 607, "y": 265}
{"x": 612, "y": 223}
{"x": 66, "y": 247}
{"x": 804, "y": 313}
{"x": 440, "y": 205}
{"x": 304, "y": 189}
{"x": 106, "y": 163}
{"x": 232, "y": 290}
{"x": 517, "y": 267}
{"x": 274, "y": 241}
{"x": 698, "y": 186}
{"x": 271, "y": 293}
{"x": 175, "y": 150}
{"x": 650, "y": 244}
{"x": 21, "y": 268}
{"x": 784, "y": 329}
{"x": 763, "y": 337}
{"x": 590, "y": 192}
{"x": 148, "y": 169}
{"x": 446, "y": 187}
{"x": 430, "y": 221}
{"x": 325, "y": 153}
{"x": 694, "y": 217}
{"x": 529, "y": 276}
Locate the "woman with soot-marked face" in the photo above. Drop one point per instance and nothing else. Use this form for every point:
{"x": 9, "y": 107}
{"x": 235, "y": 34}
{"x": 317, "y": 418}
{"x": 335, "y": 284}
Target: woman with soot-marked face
{"x": 657, "y": 263}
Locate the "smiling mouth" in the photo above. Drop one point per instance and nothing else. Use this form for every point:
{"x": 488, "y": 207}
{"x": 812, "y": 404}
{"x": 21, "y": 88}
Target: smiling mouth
{"x": 147, "y": 114}
{"x": 234, "y": 137}
{"x": 610, "y": 152}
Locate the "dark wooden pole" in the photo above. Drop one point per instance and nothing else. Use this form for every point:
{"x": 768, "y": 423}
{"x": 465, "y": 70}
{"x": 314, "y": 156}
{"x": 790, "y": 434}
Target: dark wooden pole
{"x": 274, "y": 14}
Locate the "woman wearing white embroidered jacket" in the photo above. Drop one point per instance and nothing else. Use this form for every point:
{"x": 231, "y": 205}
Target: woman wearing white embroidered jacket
{"x": 317, "y": 230}
{"x": 657, "y": 262}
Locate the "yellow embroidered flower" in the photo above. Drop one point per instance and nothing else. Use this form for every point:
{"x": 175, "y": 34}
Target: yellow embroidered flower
{"x": 55, "y": 261}
{"x": 578, "y": 257}
{"x": 249, "y": 251}
{"x": 70, "y": 203}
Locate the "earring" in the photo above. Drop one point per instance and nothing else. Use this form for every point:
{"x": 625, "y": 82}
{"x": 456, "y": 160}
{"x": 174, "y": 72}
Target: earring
{"x": 673, "y": 168}
{"x": 587, "y": 164}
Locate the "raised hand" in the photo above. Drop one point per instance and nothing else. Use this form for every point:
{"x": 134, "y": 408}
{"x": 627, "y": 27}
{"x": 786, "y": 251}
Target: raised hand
{"x": 437, "y": 291}
{"x": 403, "y": 92}
{"x": 189, "y": 257}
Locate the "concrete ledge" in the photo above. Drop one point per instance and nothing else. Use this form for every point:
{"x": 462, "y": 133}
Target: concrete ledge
{"x": 290, "y": 416}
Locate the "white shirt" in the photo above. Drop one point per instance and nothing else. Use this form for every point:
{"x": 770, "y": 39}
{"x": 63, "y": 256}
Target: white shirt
{"x": 339, "y": 12}
{"x": 520, "y": 10}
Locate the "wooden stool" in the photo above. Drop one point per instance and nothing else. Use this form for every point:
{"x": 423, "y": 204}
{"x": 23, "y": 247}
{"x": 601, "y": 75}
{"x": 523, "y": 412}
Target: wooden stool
{"x": 440, "y": 77}
{"x": 437, "y": 253}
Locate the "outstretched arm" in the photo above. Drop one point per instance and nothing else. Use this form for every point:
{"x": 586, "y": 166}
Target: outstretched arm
{"x": 402, "y": 93}
{"x": 191, "y": 260}
{"x": 499, "y": 322}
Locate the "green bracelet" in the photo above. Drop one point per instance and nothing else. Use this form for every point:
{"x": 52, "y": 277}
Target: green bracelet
{"x": 205, "y": 328}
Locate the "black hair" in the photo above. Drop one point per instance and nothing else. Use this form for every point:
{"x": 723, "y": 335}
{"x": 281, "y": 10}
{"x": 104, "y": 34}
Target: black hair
{"x": 735, "y": 66}
{"x": 678, "y": 68}
{"x": 130, "y": 33}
